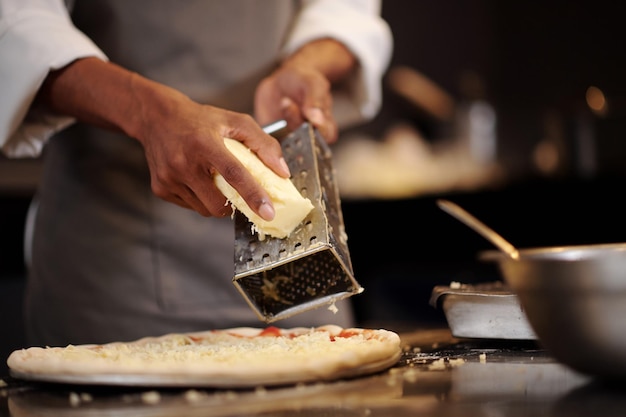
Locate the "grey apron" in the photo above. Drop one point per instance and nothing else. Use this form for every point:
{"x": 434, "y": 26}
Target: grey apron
{"x": 110, "y": 261}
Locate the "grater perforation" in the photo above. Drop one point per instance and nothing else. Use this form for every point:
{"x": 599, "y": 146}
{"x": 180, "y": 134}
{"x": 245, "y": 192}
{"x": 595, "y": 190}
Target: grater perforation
{"x": 311, "y": 267}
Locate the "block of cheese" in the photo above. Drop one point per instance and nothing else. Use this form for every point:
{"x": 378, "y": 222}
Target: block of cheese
{"x": 290, "y": 206}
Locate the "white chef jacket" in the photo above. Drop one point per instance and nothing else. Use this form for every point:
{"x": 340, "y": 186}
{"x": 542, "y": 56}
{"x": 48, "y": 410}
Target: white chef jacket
{"x": 111, "y": 261}
{"x": 37, "y": 36}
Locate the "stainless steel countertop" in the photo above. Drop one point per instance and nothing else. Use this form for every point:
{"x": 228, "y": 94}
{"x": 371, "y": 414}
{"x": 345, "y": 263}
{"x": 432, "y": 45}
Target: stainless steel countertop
{"x": 437, "y": 376}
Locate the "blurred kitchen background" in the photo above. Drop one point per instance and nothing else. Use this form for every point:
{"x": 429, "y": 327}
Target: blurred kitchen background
{"x": 514, "y": 110}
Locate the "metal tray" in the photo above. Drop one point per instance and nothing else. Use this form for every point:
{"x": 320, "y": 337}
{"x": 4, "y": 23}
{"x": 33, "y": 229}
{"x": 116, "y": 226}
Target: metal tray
{"x": 487, "y": 310}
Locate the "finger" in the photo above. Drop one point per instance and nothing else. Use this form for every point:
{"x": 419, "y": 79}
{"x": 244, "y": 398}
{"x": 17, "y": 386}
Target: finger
{"x": 190, "y": 199}
{"x": 317, "y": 108}
{"x": 207, "y": 201}
{"x": 324, "y": 122}
{"x": 291, "y": 113}
{"x": 266, "y": 147}
{"x": 205, "y": 193}
{"x": 245, "y": 184}
{"x": 253, "y": 193}
{"x": 187, "y": 201}
{"x": 178, "y": 201}
{"x": 265, "y": 99}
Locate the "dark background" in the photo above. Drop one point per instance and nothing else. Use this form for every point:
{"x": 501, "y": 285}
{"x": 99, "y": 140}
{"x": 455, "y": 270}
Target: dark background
{"x": 536, "y": 59}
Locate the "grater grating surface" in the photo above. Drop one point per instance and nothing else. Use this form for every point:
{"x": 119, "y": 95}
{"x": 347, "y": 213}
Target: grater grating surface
{"x": 311, "y": 267}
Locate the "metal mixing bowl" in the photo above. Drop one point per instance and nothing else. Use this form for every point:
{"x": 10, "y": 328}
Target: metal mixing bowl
{"x": 575, "y": 300}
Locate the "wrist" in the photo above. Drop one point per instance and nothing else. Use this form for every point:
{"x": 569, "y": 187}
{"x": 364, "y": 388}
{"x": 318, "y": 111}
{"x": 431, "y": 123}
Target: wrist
{"x": 328, "y": 56}
{"x": 149, "y": 105}
{"x": 108, "y": 96}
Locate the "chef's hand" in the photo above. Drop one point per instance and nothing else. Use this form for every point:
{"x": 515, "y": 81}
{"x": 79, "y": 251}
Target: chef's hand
{"x": 299, "y": 89}
{"x": 186, "y": 149}
{"x": 182, "y": 139}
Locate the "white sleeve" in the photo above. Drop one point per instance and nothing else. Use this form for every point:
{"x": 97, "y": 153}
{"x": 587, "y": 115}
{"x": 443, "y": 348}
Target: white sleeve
{"x": 36, "y": 36}
{"x": 359, "y": 26}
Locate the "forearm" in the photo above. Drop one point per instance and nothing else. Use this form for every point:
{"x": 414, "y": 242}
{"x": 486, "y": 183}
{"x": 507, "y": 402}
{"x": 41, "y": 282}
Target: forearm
{"x": 183, "y": 140}
{"x": 106, "y": 95}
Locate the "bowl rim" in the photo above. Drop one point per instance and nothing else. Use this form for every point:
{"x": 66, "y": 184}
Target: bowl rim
{"x": 568, "y": 252}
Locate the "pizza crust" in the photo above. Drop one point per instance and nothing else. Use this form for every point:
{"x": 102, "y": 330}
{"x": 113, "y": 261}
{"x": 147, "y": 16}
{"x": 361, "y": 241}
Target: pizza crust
{"x": 237, "y": 357}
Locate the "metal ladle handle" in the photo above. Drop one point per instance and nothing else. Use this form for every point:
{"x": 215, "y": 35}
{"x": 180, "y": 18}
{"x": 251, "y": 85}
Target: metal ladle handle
{"x": 469, "y": 220}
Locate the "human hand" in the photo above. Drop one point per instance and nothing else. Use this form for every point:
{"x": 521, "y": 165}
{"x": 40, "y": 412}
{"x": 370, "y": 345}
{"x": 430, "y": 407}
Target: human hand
{"x": 186, "y": 148}
{"x": 300, "y": 89}
{"x": 297, "y": 94}
{"x": 183, "y": 140}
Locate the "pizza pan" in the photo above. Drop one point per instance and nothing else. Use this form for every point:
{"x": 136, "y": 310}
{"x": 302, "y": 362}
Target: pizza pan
{"x": 303, "y": 400}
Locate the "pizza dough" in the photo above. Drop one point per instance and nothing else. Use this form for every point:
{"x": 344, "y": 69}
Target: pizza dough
{"x": 238, "y": 357}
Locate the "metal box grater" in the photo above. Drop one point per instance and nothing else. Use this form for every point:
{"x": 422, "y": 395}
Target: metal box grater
{"x": 311, "y": 267}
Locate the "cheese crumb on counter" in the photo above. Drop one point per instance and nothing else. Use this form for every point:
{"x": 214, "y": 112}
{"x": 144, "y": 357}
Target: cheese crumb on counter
{"x": 74, "y": 399}
{"x": 193, "y": 395}
{"x": 443, "y": 364}
{"x": 151, "y": 397}
{"x": 410, "y": 375}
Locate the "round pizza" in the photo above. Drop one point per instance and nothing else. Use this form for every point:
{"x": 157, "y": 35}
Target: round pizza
{"x": 238, "y": 357}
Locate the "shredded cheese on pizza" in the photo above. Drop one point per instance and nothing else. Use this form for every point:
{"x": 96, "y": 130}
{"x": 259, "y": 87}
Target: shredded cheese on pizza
{"x": 241, "y": 352}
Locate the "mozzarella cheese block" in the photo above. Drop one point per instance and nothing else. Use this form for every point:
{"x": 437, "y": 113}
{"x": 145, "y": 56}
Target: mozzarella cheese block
{"x": 290, "y": 206}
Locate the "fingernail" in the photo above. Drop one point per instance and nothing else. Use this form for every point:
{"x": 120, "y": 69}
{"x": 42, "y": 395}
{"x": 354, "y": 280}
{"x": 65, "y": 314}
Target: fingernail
{"x": 316, "y": 116}
{"x": 285, "y": 167}
{"x": 266, "y": 211}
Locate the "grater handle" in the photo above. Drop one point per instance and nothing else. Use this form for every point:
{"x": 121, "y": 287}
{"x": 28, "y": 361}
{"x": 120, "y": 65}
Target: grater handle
{"x": 278, "y": 129}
